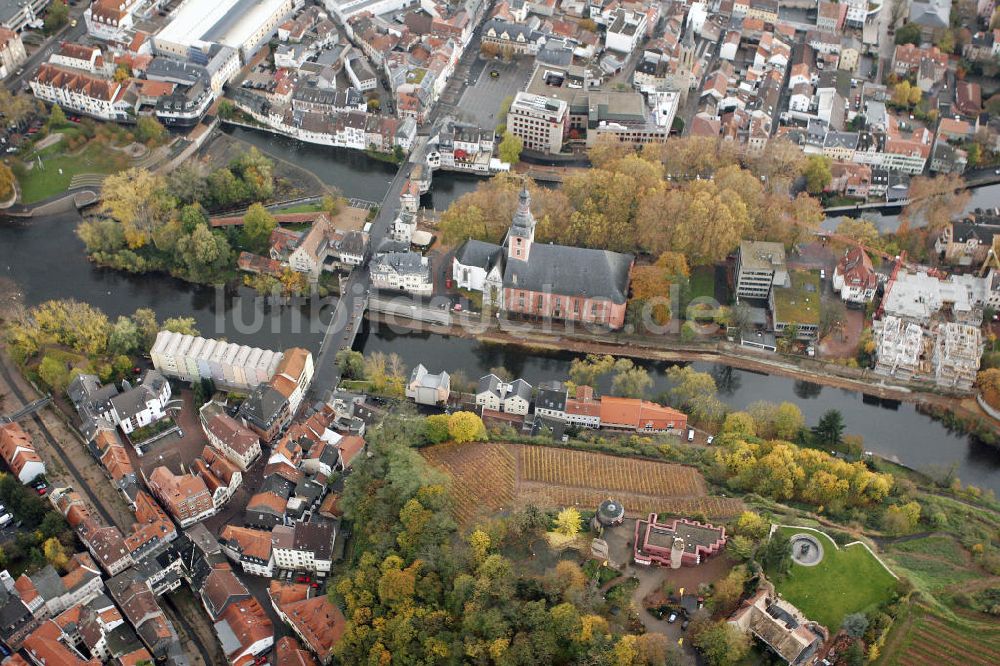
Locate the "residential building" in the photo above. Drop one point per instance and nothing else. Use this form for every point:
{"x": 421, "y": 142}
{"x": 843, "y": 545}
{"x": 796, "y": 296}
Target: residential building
{"x": 138, "y": 604}
{"x": 12, "y": 53}
{"x": 304, "y": 546}
{"x": 49, "y": 645}
{"x": 546, "y": 281}
{"x": 19, "y": 453}
{"x": 920, "y": 296}
{"x": 899, "y": 348}
{"x": 47, "y": 594}
{"x": 780, "y": 626}
{"x": 408, "y": 272}
{"x": 266, "y": 509}
{"x": 186, "y": 497}
{"x": 625, "y": 31}
{"x": 583, "y": 409}
{"x": 293, "y": 375}
{"x": 79, "y": 92}
{"x": 854, "y": 277}
{"x": 640, "y": 415}
{"x": 133, "y": 408}
{"x": 500, "y": 396}
{"x": 236, "y": 441}
{"x": 250, "y": 547}
{"x": 550, "y": 401}
{"x": 111, "y": 20}
{"x": 797, "y": 305}
{"x": 968, "y": 99}
{"x": 966, "y": 243}
{"x": 933, "y": 17}
{"x": 957, "y": 350}
{"x": 314, "y": 619}
{"x": 226, "y": 364}
{"x": 426, "y": 388}
{"x": 759, "y": 266}
{"x": 266, "y": 412}
{"x": 17, "y": 14}
{"x": 540, "y": 122}
{"x": 16, "y": 619}
{"x": 680, "y": 543}
{"x": 289, "y": 652}
{"x": 244, "y": 631}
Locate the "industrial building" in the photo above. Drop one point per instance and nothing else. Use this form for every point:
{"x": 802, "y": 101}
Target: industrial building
{"x": 227, "y": 364}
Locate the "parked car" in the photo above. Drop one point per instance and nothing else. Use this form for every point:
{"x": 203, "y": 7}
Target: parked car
{"x": 5, "y": 519}
{"x": 711, "y": 438}
{"x": 690, "y": 434}
{"x": 672, "y": 617}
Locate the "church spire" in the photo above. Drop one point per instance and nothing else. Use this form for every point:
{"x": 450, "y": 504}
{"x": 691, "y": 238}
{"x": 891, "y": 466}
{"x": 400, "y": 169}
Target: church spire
{"x": 522, "y": 227}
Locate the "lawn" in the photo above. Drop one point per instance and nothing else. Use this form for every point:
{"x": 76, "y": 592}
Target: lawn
{"x": 934, "y": 562}
{"x": 849, "y": 580}
{"x": 40, "y": 183}
{"x": 798, "y": 303}
{"x": 301, "y": 208}
{"x": 702, "y": 282}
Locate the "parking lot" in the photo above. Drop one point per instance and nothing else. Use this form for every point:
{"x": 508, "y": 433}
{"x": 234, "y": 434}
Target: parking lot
{"x": 481, "y": 100}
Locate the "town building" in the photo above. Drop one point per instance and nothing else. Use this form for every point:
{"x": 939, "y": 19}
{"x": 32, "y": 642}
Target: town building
{"x": 18, "y": 14}
{"x": 111, "y": 20}
{"x": 19, "y": 453}
{"x": 138, "y": 604}
{"x": 426, "y": 388}
{"x": 497, "y": 395}
{"x": 47, "y": 594}
{"x": 797, "y": 305}
{"x": 640, "y": 415}
{"x": 966, "y": 243}
{"x": 16, "y": 620}
{"x": 680, "y": 543}
{"x": 314, "y": 619}
{"x": 134, "y": 407}
{"x": 105, "y": 544}
{"x": 236, "y": 441}
{"x": 540, "y": 122}
{"x": 304, "y": 546}
{"x": 408, "y": 272}
{"x": 49, "y": 645}
{"x": 919, "y": 296}
{"x": 266, "y": 412}
{"x": 244, "y": 631}
{"x": 899, "y": 348}
{"x": 957, "y": 350}
{"x": 192, "y": 359}
{"x": 293, "y": 375}
{"x": 12, "y": 53}
{"x": 548, "y": 281}
{"x": 239, "y": 24}
{"x": 83, "y": 93}
{"x": 250, "y": 547}
{"x": 185, "y": 496}
{"x": 780, "y": 626}
{"x": 759, "y": 266}
{"x": 854, "y": 277}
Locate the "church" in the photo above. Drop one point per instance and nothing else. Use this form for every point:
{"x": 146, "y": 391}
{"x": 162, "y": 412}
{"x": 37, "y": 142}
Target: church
{"x": 545, "y": 281}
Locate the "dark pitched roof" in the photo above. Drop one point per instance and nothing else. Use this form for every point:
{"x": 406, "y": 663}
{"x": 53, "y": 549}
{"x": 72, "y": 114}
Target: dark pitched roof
{"x": 477, "y": 253}
{"x": 571, "y": 271}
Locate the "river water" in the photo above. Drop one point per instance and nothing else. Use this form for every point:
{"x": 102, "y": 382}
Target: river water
{"x": 45, "y": 259}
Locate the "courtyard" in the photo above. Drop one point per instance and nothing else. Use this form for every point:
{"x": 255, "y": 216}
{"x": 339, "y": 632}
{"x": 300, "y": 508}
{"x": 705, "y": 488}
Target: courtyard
{"x": 480, "y": 103}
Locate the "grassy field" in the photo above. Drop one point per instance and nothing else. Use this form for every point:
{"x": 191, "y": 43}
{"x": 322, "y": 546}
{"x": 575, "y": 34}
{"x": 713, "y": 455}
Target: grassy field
{"x": 302, "y": 208}
{"x": 702, "y": 282}
{"x": 40, "y": 183}
{"x": 933, "y": 563}
{"x": 849, "y": 580}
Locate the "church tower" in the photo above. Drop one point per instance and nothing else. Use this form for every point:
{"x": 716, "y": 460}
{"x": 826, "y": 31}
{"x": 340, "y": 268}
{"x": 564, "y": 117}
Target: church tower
{"x": 522, "y": 228}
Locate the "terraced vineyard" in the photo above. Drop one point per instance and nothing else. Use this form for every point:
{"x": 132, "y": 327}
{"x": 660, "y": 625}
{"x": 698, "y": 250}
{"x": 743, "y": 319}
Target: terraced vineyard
{"x": 933, "y": 641}
{"x": 490, "y": 477}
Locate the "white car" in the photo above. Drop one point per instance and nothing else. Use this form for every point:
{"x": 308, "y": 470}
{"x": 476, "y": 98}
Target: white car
{"x": 691, "y": 434}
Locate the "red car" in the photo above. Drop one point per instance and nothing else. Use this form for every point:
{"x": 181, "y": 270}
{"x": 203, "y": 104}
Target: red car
{"x": 302, "y": 579}
{"x": 42, "y": 491}
{"x": 315, "y": 586}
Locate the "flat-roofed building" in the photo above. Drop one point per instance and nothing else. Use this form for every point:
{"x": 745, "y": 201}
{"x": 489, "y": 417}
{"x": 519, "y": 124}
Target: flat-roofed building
{"x": 239, "y": 24}
{"x": 759, "y": 266}
{"x": 538, "y": 121}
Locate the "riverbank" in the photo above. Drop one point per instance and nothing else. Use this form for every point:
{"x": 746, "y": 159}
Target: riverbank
{"x": 958, "y": 404}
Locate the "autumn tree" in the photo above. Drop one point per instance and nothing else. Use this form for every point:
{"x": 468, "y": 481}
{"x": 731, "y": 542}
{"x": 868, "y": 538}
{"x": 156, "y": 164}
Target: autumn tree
{"x": 137, "y": 199}
{"x": 147, "y": 326}
{"x": 784, "y": 421}
{"x": 860, "y": 230}
{"x": 901, "y": 519}
{"x": 466, "y": 427}
{"x": 54, "y": 372}
{"x": 149, "y": 130}
{"x": 6, "y": 182}
{"x": 740, "y": 424}
{"x": 568, "y": 522}
{"x": 630, "y": 380}
{"x": 753, "y": 525}
{"x": 934, "y": 201}
{"x": 258, "y": 224}
{"x": 436, "y": 428}
{"x": 721, "y": 644}
{"x": 588, "y": 370}
{"x": 55, "y": 553}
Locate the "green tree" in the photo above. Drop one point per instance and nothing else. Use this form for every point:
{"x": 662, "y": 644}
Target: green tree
{"x": 510, "y": 148}
{"x": 695, "y": 392}
{"x": 817, "y": 173}
{"x": 855, "y": 625}
{"x": 829, "y": 432}
{"x": 901, "y": 519}
{"x": 125, "y": 338}
{"x": 588, "y": 370}
{"x": 630, "y": 381}
{"x": 257, "y": 227}
{"x": 908, "y": 34}
{"x": 182, "y": 325}
{"x": 145, "y": 322}
{"x": 740, "y": 424}
{"x": 56, "y": 16}
{"x": 351, "y": 363}
{"x": 332, "y": 204}
{"x": 721, "y": 644}
{"x": 436, "y": 428}
{"x": 752, "y": 525}
{"x": 777, "y": 555}
{"x": 54, "y": 373}
{"x": 466, "y": 427}
{"x": 568, "y": 522}
{"x": 149, "y": 130}
{"x": 57, "y": 118}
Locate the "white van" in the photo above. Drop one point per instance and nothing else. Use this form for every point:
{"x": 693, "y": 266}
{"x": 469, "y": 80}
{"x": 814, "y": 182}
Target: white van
{"x": 690, "y": 434}
{"x": 5, "y": 519}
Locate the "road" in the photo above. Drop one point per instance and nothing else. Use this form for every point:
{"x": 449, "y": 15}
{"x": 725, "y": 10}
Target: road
{"x": 66, "y": 33}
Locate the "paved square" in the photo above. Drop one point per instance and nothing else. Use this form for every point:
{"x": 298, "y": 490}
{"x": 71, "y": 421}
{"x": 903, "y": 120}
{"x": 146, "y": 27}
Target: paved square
{"x": 482, "y": 98}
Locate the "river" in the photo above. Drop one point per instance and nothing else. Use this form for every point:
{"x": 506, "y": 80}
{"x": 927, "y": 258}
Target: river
{"x": 46, "y": 260}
